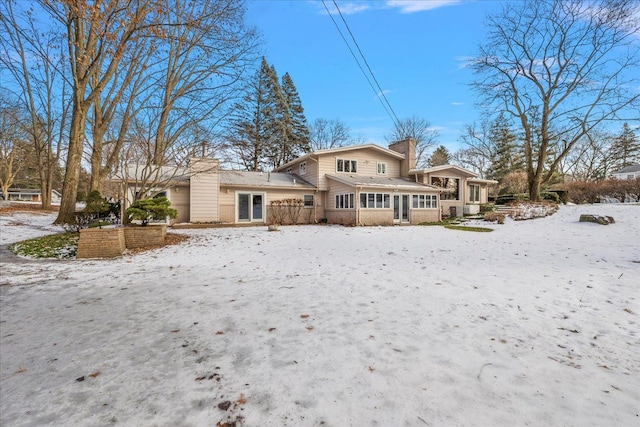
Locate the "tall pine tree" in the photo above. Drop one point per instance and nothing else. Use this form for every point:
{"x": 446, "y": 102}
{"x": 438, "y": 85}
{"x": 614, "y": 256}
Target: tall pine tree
{"x": 297, "y": 131}
{"x": 256, "y": 126}
{"x": 440, "y": 157}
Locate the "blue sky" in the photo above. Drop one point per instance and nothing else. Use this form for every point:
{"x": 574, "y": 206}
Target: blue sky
{"x": 416, "y": 49}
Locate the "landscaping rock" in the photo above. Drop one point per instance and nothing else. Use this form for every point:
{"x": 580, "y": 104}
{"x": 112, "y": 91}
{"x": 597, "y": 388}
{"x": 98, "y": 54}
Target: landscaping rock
{"x": 598, "y": 219}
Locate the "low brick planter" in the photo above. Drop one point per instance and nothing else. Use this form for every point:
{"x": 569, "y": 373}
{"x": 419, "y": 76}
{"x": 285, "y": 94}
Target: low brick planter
{"x": 144, "y": 237}
{"x": 101, "y": 243}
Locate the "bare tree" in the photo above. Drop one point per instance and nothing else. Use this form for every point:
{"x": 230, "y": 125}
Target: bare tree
{"x": 326, "y": 134}
{"x": 480, "y": 149}
{"x": 194, "y": 77}
{"x": 14, "y": 147}
{"x": 421, "y": 131}
{"x": 32, "y": 58}
{"x": 560, "y": 68}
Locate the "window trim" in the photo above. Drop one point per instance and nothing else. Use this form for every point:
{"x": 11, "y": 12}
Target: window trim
{"x": 424, "y": 201}
{"x": 309, "y": 203}
{"x": 302, "y": 169}
{"x": 375, "y": 200}
{"x": 383, "y": 166}
{"x": 345, "y": 201}
{"x": 342, "y": 162}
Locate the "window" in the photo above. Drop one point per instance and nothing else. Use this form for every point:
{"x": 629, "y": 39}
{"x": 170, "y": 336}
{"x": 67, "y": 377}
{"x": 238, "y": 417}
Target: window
{"x": 289, "y": 170}
{"x": 303, "y": 168}
{"x": 308, "y": 200}
{"x": 451, "y": 184}
{"x": 425, "y": 201}
{"x": 382, "y": 168}
{"x": 375, "y": 200}
{"x": 474, "y": 193}
{"x": 345, "y": 201}
{"x": 343, "y": 165}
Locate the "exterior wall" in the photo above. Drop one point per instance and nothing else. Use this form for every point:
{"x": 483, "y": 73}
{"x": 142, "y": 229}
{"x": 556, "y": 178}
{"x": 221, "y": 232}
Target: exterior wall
{"x": 205, "y": 187}
{"x": 446, "y": 205}
{"x": 375, "y": 217}
{"x": 340, "y": 216}
{"x": 312, "y": 170}
{"x": 180, "y": 198}
{"x": 228, "y": 202}
{"x": 418, "y": 216}
{"x": 367, "y": 165}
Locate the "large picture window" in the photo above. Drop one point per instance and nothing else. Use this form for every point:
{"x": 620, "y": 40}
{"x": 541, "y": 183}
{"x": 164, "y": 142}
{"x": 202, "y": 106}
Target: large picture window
{"x": 451, "y": 184}
{"x": 345, "y": 201}
{"x": 344, "y": 165}
{"x": 375, "y": 200}
{"x": 425, "y": 201}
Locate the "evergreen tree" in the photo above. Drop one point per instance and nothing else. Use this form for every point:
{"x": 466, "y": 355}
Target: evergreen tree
{"x": 297, "y": 131}
{"x": 506, "y": 157}
{"x": 440, "y": 157}
{"x": 256, "y": 126}
{"x": 625, "y": 148}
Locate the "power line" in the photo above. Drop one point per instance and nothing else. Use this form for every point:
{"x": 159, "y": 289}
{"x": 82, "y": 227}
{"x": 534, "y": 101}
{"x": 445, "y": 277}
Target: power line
{"x": 385, "y": 104}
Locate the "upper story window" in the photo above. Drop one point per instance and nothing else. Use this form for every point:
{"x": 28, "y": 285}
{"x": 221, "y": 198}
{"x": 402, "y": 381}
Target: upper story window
{"x": 289, "y": 170}
{"x": 303, "y": 168}
{"x": 382, "y": 168}
{"x": 345, "y": 165}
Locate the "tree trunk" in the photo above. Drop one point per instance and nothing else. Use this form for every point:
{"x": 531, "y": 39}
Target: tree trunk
{"x": 534, "y": 188}
{"x": 66, "y": 214}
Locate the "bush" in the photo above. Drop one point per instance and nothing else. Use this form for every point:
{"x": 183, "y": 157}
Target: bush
{"x": 286, "y": 211}
{"x": 611, "y": 189}
{"x": 147, "y": 210}
{"x": 487, "y": 207}
{"x": 550, "y": 196}
{"x": 495, "y": 216}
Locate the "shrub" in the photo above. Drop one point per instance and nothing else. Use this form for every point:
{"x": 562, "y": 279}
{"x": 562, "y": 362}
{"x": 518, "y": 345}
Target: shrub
{"x": 550, "y": 196}
{"x": 495, "y": 216}
{"x": 286, "y": 211}
{"x": 487, "y": 207}
{"x": 146, "y": 210}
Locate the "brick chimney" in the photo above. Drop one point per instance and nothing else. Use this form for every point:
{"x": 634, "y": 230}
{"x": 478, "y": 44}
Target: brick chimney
{"x": 407, "y": 147}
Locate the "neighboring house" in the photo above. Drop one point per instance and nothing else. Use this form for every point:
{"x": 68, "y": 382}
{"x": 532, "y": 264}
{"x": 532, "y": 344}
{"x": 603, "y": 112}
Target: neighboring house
{"x": 356, "y": 185}
{"x": 630, "y": 172}
{"x": 31, "y": 195}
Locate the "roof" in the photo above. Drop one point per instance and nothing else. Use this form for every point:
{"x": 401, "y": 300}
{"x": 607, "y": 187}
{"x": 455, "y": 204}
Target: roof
{"x": 442, "y": 168}
{"x": 30, "y": 191}
{"x": 262, "y": 179}
{"x": 338, "y": 150}
{"x": 630, "y": 168}
{"x": 482, "y": 181}
{"x": 384, "y": 182}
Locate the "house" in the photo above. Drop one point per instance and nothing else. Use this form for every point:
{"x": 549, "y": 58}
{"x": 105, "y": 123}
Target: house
{"x": 630, "y": 172}
{"x": 31, "y": 195}
{"x": 354, "y": 185}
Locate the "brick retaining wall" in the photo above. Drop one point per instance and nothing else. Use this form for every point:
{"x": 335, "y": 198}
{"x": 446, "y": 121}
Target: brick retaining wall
{"x": 143, "y": 237}
{"x": 101, "y": 243}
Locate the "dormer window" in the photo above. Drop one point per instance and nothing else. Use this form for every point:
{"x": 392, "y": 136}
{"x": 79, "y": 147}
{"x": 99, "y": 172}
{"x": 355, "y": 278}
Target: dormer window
{"x": 345, "y": 165}
{"x": 303, "y": 168}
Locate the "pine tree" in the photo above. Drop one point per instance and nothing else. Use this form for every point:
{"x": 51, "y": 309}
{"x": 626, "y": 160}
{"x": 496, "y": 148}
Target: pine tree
{"x": 297, "y": 131}
{"x": 625, "y": 148}
{"x": 440, "y": 157}
{"x": 506, "y": 156}
{"x": 256, "y": 127}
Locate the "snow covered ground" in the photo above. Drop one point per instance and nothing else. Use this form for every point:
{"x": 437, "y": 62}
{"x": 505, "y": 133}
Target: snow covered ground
{"x": 536, "y": 323}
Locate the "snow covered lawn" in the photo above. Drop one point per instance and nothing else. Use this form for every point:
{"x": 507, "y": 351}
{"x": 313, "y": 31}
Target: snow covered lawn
{"x": 536, "y": 323}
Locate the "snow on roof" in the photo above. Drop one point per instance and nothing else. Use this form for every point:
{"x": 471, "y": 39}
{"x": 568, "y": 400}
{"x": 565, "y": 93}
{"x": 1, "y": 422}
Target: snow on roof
{"x": 378, "y": 181}
{"x": 262, "y": 179}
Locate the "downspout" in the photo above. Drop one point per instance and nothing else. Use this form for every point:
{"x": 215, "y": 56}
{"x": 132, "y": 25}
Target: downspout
{"x": 357, "y": 203}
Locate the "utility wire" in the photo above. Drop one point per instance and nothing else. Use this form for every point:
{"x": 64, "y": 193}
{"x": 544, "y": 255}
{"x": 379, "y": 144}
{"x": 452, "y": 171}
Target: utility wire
{"x": 385, "y": 104}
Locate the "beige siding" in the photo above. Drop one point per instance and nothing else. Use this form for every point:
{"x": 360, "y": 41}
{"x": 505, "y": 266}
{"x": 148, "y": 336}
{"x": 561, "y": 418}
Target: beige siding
{"x": 205, "y": 188}
{"x": 179, "y": 198}
{"x": 307, "y": 215}
{"x": 367, "y": 164}
{"x": 340, "y": 216}
{"x": 312, "y": 171}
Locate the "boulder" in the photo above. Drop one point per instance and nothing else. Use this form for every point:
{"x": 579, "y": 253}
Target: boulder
{"x": 598, "y": 219}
